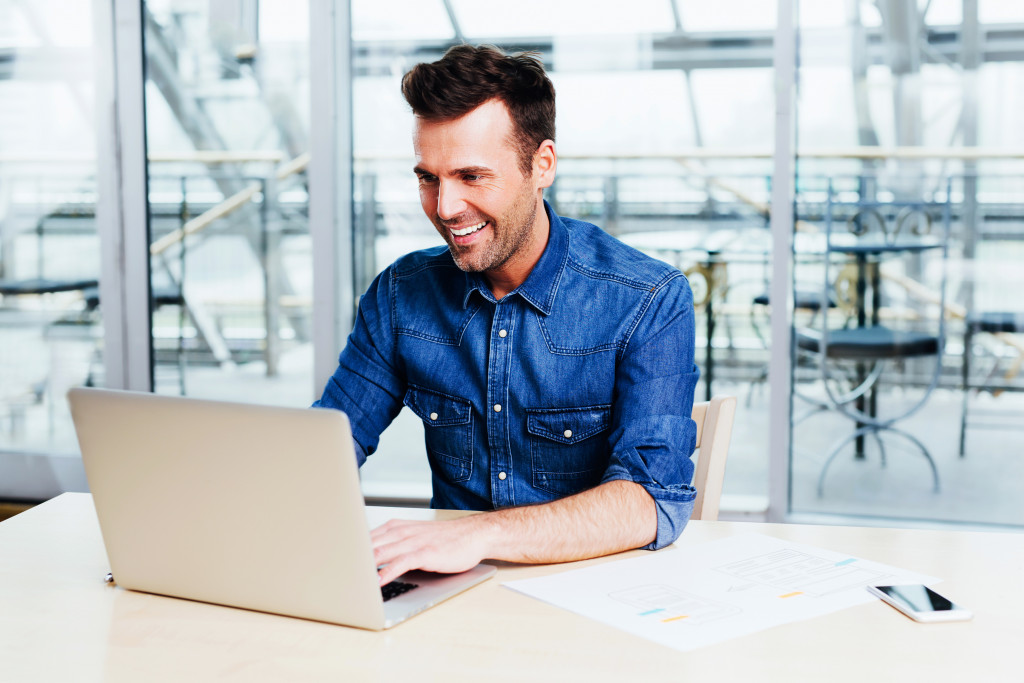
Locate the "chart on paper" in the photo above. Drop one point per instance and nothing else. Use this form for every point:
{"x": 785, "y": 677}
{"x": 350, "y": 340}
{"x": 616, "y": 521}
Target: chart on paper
{"x": 690, "y": 597}
{"x": 796, "y": 571}
{"x": 668, "y": 604}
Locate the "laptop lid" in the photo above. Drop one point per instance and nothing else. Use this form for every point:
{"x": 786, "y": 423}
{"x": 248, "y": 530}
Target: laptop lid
{"x": 243, "y": 505}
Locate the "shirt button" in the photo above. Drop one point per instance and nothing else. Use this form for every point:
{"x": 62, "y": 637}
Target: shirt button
{"x": 501, "y": 475}
{"x": 433, "y": 416}
{"x": 568, "y": 433}
{"x": 497, "y": 407}
{"x": 503, "y": 333}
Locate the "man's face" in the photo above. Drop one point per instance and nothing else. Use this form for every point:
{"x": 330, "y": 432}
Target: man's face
{"x": 474, "y": 192}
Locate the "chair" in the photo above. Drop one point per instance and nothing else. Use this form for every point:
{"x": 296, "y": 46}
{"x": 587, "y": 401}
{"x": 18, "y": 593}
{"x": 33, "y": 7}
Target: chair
{"x": 160, "y": 296}
{"x": 804, "y": 300}
{"x": 872, "y": 343}
{"x": 714, "y": 420}
{"x": 998, "y": 323}
{"x": 41, "y": 283}
{"x": 36, "y": 303}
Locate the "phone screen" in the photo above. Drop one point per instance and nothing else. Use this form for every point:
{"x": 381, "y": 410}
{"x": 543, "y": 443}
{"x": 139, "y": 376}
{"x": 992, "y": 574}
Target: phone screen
{"x": 918, "y": 598}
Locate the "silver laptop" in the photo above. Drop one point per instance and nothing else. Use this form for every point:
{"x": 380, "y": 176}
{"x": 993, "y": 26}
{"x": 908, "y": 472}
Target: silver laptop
{"x": 242, "y": 505}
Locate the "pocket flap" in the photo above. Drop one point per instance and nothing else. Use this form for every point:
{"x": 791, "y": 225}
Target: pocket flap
{"x": 568, "y": 425}
{"x": 437, "y": 409}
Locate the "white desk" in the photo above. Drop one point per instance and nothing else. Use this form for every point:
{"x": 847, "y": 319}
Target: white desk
{"x": 59, "y": 622}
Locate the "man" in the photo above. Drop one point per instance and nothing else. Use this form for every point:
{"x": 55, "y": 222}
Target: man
{"x": 552, "y": 365}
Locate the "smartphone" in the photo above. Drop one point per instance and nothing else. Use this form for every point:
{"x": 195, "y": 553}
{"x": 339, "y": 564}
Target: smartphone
{"x": 921, "y": 603}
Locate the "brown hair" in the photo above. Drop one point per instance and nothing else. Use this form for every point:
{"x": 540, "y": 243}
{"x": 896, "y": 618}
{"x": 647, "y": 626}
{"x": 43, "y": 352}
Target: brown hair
{"x": 467, "y": 76}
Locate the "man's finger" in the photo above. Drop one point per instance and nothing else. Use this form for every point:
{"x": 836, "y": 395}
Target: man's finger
{"x": 392, "y": 528}
{"x": 394, "y": 569}
{"x": 389, "y": 552}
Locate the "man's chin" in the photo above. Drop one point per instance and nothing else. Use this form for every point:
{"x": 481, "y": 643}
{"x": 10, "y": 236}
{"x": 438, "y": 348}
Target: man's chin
{"x": 467, "y": 265}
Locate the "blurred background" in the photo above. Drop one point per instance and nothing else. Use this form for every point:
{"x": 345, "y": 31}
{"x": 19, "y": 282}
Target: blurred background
{"x": 194, "y": 192}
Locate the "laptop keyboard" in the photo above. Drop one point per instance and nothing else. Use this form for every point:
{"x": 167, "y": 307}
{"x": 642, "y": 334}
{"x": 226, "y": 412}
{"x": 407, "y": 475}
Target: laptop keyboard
{"x": 396, "y": 588}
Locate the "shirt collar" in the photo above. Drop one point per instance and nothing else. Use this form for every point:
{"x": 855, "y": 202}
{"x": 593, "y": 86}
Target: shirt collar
{"x": 541, "y": 284}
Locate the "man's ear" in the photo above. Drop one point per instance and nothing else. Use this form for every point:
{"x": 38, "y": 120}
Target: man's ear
{"x": 545, "y": 162}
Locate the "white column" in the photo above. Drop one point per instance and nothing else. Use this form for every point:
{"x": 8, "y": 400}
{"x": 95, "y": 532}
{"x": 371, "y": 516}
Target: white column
{"x": 330, "y": 183}
{"x": 780, "y": 371}
{"x": 122, "y": 215}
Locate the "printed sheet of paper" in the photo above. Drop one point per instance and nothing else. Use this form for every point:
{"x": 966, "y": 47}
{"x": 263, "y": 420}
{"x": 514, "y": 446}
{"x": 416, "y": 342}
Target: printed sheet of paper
{"x": 700, "y": 595}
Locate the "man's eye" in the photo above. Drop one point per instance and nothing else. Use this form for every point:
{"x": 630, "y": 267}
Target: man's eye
{"x": 471, "y": 178}
{"x": 427, "y": 179}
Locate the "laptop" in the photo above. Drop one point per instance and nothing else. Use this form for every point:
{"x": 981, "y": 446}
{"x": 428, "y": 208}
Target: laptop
{"x": 248, "y": 506}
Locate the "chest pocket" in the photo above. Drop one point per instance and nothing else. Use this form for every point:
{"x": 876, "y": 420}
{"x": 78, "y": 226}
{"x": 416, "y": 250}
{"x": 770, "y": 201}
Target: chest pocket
{"x": 448, "y": 429}
{"x": 567, "y": 452}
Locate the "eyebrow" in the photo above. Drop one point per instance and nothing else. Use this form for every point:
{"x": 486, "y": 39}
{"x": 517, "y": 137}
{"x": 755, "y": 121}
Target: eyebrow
{"x": 476, "y": 170}
{"x": 472, "y": 170}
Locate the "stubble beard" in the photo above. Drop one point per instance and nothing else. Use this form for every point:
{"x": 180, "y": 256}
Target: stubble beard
{"x": 511, "y": 233}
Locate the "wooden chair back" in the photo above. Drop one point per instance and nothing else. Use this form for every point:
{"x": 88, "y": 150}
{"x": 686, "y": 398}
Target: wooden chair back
{"x": 714, "y": 420}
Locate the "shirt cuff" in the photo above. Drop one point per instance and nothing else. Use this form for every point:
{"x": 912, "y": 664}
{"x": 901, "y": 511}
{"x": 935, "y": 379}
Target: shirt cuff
{"x": 674, "y": 505}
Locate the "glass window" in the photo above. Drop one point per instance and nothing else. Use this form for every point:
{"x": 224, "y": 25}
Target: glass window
{"x": 907, "y": 132}
{"x": 227, "y": 127}
{"x": 50, "y": 319}
{"x": 530, "y": 18}
{"x": 907, "y": 370}
{"x": 400, "y": 20}
{"x": 727, "y": 15}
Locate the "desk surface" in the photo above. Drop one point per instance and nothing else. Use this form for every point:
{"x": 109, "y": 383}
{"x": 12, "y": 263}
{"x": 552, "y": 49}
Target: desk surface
{"x": 59, "y": 622}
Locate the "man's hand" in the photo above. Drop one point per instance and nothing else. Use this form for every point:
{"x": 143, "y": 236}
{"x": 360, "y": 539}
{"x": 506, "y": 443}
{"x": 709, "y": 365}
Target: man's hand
{"x": 615, "y": 516}
{"x": 448, "y": 547}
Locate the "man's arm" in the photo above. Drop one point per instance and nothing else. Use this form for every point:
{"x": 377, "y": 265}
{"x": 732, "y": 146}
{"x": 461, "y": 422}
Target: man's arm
{"x": 615, "y": 516}
{"x": 366, "y": 386}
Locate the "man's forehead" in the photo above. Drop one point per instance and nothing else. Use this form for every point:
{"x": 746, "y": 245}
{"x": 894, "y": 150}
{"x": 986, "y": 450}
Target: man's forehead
{"x": 493, "y": 112}
{"x": 484, "y": 132}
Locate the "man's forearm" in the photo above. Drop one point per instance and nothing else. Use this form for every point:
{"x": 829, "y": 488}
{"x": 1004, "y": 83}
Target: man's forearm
{"x": 612, "y": 517}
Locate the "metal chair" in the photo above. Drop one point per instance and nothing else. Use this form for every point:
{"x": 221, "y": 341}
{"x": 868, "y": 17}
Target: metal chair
{"x": 995, "y": 323}
{"x": 167, "y": 295}
{"x": 805, "y": 300}
{"x": 44, "y": 304}
{"x": 871, "y": 344}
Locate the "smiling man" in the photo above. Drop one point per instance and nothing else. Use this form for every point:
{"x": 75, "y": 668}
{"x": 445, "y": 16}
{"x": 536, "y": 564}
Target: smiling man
{"x": 552, "y": 366}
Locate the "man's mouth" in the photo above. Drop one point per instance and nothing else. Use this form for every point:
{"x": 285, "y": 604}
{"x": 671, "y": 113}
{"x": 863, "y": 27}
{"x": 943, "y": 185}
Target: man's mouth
{"x": 468, "y": 230}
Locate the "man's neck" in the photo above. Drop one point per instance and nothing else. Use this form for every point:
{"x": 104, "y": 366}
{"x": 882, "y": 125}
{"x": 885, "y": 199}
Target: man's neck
{"x": 515, "y": 271}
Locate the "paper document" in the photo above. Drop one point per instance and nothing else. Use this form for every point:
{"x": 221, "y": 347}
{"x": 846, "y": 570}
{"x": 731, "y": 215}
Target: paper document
{"x": 694, "y": 596}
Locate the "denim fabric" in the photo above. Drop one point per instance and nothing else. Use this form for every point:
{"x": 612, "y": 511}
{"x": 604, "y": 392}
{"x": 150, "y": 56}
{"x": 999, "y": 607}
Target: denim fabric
{"x": 582, "y": 375}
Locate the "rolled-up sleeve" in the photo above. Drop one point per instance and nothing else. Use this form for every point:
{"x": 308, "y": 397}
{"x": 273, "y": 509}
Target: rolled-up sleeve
{"x": 653, "y": 435}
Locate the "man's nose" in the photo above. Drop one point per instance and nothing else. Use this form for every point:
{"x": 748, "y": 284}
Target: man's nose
{"x": 450, "y": 202}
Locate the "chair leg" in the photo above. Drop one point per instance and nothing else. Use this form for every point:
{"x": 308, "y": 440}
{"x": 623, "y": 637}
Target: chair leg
{"x": 762, "y": 377}
{"x": 817, "y": 407}
{"x": 924, "y": 451}
{"x": 863, "y": 431}
{"x": 881, "y": 448}
{"x": 965, "y": 382}
{"x": 834, "y": 454}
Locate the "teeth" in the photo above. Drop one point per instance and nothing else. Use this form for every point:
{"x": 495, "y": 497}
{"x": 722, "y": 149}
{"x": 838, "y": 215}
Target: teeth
{"x": 468, "y": 231}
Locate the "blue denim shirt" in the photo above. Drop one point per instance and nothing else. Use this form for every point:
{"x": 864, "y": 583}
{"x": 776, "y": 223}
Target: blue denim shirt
{"x": 583, "y": 374}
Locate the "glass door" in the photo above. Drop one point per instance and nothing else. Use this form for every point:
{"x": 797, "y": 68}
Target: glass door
{"x": 907, "y": 136}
